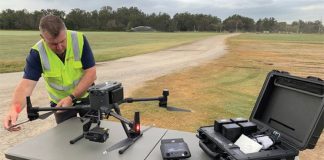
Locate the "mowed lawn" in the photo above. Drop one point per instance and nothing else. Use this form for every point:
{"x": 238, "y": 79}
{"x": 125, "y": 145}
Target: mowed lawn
{"x": 15, "y": 45}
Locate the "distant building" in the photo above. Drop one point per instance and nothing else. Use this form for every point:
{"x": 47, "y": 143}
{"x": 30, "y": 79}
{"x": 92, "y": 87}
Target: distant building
{"x": 142, "y": 29}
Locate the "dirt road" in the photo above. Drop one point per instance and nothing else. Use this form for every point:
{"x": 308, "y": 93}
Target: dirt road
{"x": 131, "y": 71}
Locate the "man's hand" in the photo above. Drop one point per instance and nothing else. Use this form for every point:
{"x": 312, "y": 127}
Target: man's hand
{"x": 11, "y": 120}
{"x": 23, "y": 89}
{"x": 65, "y": 102}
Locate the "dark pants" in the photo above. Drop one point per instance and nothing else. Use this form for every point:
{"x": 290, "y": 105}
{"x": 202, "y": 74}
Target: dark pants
{"x": 62, "y": 116}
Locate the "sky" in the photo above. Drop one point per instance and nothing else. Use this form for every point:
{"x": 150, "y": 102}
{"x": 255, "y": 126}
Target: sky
{"x": 282, "y": 10}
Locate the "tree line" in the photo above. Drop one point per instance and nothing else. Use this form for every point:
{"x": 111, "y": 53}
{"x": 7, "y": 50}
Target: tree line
{"x": 123, "y": 19}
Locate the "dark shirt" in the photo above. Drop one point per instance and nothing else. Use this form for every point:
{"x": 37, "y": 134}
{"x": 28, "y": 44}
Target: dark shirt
{"x": 33, "y": 68}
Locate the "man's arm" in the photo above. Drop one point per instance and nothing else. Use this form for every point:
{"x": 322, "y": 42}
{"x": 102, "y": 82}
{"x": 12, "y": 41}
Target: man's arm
{"x": 23, "y": 89}
{"x": 90, "y": 75}
{"x": 86, "y": 81}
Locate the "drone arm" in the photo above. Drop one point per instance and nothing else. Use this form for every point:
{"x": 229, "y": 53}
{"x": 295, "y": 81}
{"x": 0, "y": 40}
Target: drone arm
{"x": 60, "y": 108}
{"x": 32, "y": 112}
{"x": 163, "y": 100}
{"x": 131, "y": 100}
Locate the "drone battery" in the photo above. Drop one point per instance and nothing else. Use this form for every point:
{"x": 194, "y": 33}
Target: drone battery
{"x": 117, "y": 95}
{"x": 238, "y": 120}
{"x": 105, "y": 94}
{"x": 174, "y": 149}
{"x": 99, "y": 99}
{"x": 219, "y": 123}
{"x": 248, "y": 127}
{"x": 97, "y": 134}
{"x": 231, "y": 131}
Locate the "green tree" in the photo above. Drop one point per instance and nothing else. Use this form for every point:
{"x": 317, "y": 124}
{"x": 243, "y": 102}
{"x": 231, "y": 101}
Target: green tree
{"x": 77, "y": 19}
{"x": 282, "y": 27}
{"x": 136, "y": 18}
{"x": 270, "y": 24}
{"x": 126, "y": 18}
{"x": 37, "y": 15}
{"x": 104, "y": 16}
{"x": 55, "y": 12}
{"x": 23, "y": 20}
{"x": 160, "y": 22}
{"x": 237, "y": 23}
{"x": 259, "y": 25}
{"x": 8, "y": 19}
{"x": 206, "y": 23}
{"x": 185, "y": 21}
{"x": 233, "y": 23}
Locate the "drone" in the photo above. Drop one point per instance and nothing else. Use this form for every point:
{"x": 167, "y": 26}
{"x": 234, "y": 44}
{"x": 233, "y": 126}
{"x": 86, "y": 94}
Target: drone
{"x": 104, "y": 100}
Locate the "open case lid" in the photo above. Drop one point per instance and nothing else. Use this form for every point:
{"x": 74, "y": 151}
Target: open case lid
{"x": 293, "y": 106}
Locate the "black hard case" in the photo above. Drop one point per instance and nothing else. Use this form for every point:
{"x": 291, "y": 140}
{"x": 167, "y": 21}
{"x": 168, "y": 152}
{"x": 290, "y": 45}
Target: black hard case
{"x": 289, "y": 105}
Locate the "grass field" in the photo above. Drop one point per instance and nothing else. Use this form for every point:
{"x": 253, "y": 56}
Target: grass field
{"x": 15, "y": 45}
{"x": 228, "y": 87}
{"x": 290, "y": 38}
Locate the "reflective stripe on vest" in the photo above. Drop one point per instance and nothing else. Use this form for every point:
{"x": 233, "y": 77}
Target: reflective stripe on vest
{"x": 75, "y": 45}
{"x": 66, "y": 88}
{"x": 53, "y": 97}
{"x": 43, "y": 55}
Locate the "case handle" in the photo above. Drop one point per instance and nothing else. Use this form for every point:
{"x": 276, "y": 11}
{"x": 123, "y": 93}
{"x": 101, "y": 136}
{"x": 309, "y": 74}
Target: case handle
{"x": 207, "y": 150}
{"x": 314, "y": 78}
{"x": 282, "y": 72}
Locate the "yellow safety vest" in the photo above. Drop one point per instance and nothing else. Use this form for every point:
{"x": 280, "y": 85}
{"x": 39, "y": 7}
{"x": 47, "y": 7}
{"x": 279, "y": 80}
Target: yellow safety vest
{"x": 61, "y": 79}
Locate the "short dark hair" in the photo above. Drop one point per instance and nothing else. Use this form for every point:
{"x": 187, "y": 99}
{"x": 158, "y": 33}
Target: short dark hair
{"x": 51, "y": 24}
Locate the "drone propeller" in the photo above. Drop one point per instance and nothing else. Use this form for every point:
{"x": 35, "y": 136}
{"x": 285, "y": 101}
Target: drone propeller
{"x": 14, "y": 126}
{"x": 125, "y": 142}
{"x": 175, "y": 109}
{"x": 45, "y": 115}
{"x": 42, "y": 117}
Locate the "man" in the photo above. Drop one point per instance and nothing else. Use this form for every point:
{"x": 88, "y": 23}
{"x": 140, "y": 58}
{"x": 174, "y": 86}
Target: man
{"x": 65, "y": 60}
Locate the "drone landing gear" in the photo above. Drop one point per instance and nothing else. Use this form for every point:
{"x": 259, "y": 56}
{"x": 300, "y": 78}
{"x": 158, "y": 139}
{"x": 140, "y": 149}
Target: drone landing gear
{"x": 130, "y": 143}
{"x": 134, "y": 133}
{"x": 98, "y": 134}
{"x": 76, "y": 139}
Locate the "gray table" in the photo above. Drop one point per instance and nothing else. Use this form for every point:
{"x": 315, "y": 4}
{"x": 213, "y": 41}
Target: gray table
{"x": 54, "y": 144}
